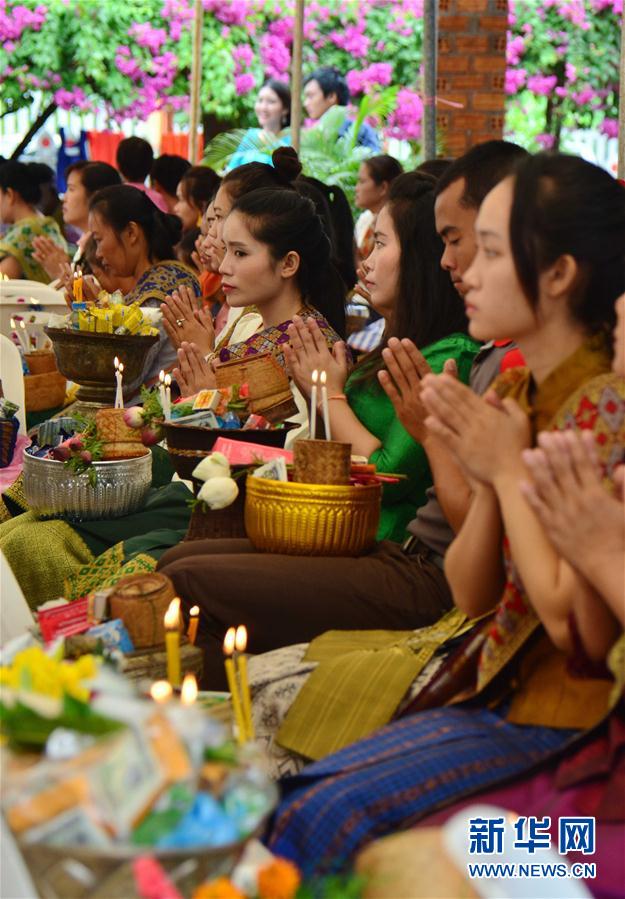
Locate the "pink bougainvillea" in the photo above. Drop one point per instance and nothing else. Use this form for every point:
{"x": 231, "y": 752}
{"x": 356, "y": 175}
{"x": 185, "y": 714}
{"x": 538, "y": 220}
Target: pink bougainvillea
{"x": 405, "y": 120}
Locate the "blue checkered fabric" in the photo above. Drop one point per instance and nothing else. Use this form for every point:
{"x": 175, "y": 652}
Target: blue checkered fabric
{"x": 400, "y": 774}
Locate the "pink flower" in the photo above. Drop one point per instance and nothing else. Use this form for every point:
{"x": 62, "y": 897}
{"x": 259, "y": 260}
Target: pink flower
{"x": 571, "y": 71}
{"x": 378, "y": 74}
{"x": 546, "y": 141}
{"x": 243, "y": 84}
{"x": 275, "y": 57}
{"x": 515, "y": 80}
{"x": 609, "y": 127}
{"x": 514, "y": 49}
{"x": 353, "y": 40}
{"x": 147, "y": 36}
{"x": 542, "y": 85}
{"x": 404, "y": 122}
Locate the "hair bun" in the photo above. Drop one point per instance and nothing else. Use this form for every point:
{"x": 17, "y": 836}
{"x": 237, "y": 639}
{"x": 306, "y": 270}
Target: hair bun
{"x": 286, "y": 163}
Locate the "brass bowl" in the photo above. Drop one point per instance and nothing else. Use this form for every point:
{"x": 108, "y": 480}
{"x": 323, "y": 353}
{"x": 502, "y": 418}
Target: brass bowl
{"x": 311, "y": 519}
{"x": 87, "y": 359}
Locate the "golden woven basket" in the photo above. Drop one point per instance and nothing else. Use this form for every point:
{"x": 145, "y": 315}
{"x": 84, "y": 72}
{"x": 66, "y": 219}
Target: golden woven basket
{"x": 311, "y": 519}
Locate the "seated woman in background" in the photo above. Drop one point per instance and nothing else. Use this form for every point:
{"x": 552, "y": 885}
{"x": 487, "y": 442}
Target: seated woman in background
{"x": 549, "y": 266}
{"x": 165, "y": 176}
{"x": 19, "y": 195}
{"x": 195, "y": 190}
{"x": 417, "y": 300}
{"x": 83, "y": 180}
{"x": 136, "y": 240}
{"x": 273, "y": 111}
{"x": 375, "y": 177}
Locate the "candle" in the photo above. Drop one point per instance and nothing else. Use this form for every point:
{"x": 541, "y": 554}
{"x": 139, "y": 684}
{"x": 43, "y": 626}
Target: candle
{"x": 119, "y": 396}
{"x": 229, "y": 641}
{"x": 161, "y": 389}
{"x": 324, "y": 406}
{"x": 161, "y": 691}
{"x": 167, "y": 382}
{"x": 172, "y": 642}
{"x": 78, "y": 286}
{"x": 194, "y": 618}
{"x": 240, "y": 642}
{"x": 19, "y": 335}
{"x": 25, "y": 336}
{"x": 188, "y": 693}
{"x": 313, "y": 404}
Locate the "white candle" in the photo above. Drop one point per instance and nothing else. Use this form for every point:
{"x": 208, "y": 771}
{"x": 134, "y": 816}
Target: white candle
{"x": 161, "y": 389}
{"x": 18, "y": 334}
{"x": 313, "y": 404}
{"x": 24, "y": 336}
{"x": 119, "y": 397}
{"x": 167, "y": 409}
{"x": 324, "y": 406}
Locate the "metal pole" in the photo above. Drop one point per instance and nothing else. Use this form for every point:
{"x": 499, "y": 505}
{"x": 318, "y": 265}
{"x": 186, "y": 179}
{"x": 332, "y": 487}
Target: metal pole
{"x": 196, "y": 81}
{"x": 430, "y": 52}
{"x": 621, "y": 107}
{"x": 296, "y": 74}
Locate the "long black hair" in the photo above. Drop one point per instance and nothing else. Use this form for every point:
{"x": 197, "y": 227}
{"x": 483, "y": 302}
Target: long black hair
{"x": 563, "y": 205}
{"x": 286, "y": 222}
{"x": 427, "y": 307}
{"x": 121, "y": 204}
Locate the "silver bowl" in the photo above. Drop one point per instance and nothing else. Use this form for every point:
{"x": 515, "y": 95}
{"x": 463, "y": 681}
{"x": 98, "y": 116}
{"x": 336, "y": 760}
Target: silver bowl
{"x": 54, "y": 491}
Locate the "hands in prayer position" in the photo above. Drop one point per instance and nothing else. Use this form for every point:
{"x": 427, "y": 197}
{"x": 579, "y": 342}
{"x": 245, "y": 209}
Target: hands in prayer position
{"x": 49, "y": 256}
{"x": 194, "y": 373}
{"x": 585, "y": 524}
{"x": 186, "y": 322}
{"x": 406, "y": 367}
{"x": 486, "y": 434}
{"x": 308, "y": 351}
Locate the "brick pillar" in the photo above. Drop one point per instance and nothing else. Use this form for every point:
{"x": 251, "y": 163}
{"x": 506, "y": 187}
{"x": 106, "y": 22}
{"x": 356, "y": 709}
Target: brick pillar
{"x": 471, "y": 71}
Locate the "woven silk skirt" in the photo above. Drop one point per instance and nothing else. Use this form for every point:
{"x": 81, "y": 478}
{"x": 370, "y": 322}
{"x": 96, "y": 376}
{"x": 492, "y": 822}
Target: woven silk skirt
{"x": 398, "y": 775}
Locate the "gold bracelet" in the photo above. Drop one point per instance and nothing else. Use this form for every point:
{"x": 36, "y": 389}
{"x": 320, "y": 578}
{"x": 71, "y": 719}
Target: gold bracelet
{"x": 338, "y": 396}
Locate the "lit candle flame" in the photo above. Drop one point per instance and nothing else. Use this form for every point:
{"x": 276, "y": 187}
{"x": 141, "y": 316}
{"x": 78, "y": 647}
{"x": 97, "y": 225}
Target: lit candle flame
{"x": 240, "y": 640}
{"x": 167, "y": 380}
{"x": 172, "y": 615}
{"x": 13, "y": 323}
{"x": 229, "y": 641}
{"x": 161, "y": 691}
{"x": 194, "y": 611}
{"x": 116, "y": 363}
{"x": 322, "y": 378}
{"x": 161, "y": 375}
{"x": 315, "y": 376}
{"x": 188, "y": 692}
{"x": 121, "y": 367}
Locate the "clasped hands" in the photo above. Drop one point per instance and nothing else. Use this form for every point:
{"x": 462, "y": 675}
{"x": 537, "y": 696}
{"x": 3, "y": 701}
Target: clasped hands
{"x": 187, "y": 321}
{"x": 486, "y": 434}
{"x": 308, "y": 351}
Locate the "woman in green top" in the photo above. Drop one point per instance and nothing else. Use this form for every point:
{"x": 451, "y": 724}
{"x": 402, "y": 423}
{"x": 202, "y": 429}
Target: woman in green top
{"x": 19, "y": 194}
{"x": 417, "y": 300}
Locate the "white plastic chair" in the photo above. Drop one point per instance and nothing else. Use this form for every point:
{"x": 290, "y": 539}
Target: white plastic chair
{"x": 15, "y": 615}
{"x": 12, "y": 377}
{"x": 15, "y": 295}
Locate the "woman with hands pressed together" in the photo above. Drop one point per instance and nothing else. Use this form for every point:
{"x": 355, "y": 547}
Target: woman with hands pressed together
{"x": 415, "y": 297}
{"x": 550, "y": 264}
{"x": 183, "y": 326}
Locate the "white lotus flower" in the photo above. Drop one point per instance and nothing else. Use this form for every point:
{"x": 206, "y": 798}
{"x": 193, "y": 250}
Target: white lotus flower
{"x": 214, "y": 466}
{"x": 218, "y": 492}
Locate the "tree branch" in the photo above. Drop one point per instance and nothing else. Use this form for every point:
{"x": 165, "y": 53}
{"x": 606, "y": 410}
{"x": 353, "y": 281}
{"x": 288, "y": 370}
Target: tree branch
{"x": 39, "y": 122}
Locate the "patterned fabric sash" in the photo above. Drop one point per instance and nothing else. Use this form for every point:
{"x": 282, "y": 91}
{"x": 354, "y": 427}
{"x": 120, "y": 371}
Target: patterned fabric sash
{"x": 342, "y": 701}
{"x": 600, "y": 406}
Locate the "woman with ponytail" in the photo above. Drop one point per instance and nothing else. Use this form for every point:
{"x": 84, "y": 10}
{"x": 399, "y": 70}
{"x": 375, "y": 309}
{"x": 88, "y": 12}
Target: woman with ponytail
{"x": 275, "y": 263}
{"x": 136, "y": 240}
